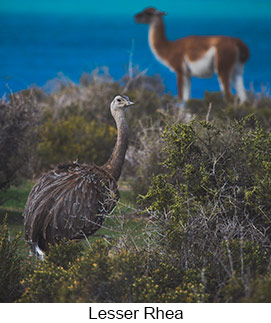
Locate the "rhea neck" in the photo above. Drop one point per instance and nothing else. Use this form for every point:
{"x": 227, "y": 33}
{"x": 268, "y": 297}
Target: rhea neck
{"x": 116, "y": 160}
{"x": 157, "y": 38}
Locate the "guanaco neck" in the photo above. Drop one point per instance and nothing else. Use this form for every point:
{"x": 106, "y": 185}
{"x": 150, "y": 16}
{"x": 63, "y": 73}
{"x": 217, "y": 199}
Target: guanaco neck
{"x": 157, "y": 38}
{"x": 116, "y": 160}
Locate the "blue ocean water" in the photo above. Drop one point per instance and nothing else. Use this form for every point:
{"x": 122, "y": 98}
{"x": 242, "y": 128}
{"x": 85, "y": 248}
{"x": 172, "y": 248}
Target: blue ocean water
{"x": 36, "y": 48}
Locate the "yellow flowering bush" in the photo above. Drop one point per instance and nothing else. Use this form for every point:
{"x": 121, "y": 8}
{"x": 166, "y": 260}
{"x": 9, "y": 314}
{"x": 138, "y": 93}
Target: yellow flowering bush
{"x": 105, "y": 274}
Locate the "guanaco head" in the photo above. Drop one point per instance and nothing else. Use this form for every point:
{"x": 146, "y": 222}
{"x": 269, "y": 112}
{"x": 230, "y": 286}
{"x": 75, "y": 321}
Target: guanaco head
{"x": 120, "y": 103}
{"x": 148, "y": 16}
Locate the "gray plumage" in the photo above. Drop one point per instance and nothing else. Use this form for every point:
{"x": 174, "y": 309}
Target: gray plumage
{"x": 72, "y": 201}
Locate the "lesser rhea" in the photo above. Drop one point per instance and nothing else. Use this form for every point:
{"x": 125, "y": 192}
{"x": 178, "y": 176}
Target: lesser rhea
{"x": 72, "y": 200}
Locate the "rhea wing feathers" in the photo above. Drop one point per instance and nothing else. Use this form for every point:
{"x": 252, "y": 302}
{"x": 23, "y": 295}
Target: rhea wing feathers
{"x": 69, "y": 203}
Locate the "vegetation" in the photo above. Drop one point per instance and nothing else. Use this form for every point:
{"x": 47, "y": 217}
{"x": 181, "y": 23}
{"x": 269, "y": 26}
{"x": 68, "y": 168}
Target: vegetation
{"x": 11, "y": 265}
{"x": 212, "y": 206}
{"x": 105, "y": 273}
{"x": 193, "y": 223}
{"x": 17, "y": 120}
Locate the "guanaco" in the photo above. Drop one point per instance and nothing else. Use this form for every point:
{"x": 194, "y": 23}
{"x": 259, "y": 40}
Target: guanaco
{"x": 199, "y": 56}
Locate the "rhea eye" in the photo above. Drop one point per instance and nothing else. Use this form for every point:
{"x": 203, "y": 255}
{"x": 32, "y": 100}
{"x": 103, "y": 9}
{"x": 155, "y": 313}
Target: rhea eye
{"x": 119, "y": 100}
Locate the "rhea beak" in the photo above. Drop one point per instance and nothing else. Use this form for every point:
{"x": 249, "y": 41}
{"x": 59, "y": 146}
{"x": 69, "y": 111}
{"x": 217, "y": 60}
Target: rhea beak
{"x": 129, "y": 103}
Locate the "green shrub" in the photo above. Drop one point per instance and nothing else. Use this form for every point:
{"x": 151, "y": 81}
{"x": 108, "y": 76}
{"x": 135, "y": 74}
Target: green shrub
{"x": 103, "y": 276}
{"x": 260, "y": 290}
{"x": 74, "y": 121}
{"x": 208, "y": 235}
{"x": 74, "y": 138}
{"x": 44, "y": 283}
{"x": 98, "y": 275}
{"x": 226, "y": 169}
{"x": 10, "y": 266}
{"x": 17, "y": 129}
{"x": 212, "y": 206}
{"x": 167, "y": 283}
{"x": 64, "y": 253}
{"x": 105, "y": 273}
{"x": 245, "y": 262}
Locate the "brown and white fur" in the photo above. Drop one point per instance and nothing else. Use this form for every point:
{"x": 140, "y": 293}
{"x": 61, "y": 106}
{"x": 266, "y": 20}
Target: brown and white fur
{"x": 199, "y": 56}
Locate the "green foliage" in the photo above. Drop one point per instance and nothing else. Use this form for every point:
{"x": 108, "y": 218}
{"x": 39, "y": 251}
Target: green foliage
{"x": 17, "y": 126}
{"x": 10, "y": 265}
{"x": 206, "y": 185}
{"x": 226, "y": 168}
{"x": 260, "y": 290}
{"x": 209, "y": 239}
{"x": 246, "y": 261}
{"x": 64, "y": 253}
{"x": 212, "y": 206}
{"x": 74, "y": 122}
{"x": 45, "y": 280}
{"x": 106, "y": 274}
{"x": 166, "y": 283}
{"x": 44, "y": 283}
{"x": 74, "y": 138}
{"x": 97, "y": 275}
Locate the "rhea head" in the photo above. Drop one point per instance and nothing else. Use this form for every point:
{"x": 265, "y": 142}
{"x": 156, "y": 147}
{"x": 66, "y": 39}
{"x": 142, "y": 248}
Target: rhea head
{"x": 148, "y": 16}
{"x": 120, "y": 104}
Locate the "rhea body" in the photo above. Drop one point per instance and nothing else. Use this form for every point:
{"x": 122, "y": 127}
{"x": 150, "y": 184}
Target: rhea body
{"x": 199, "y": 56}
{"x": 72, "y": 201}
